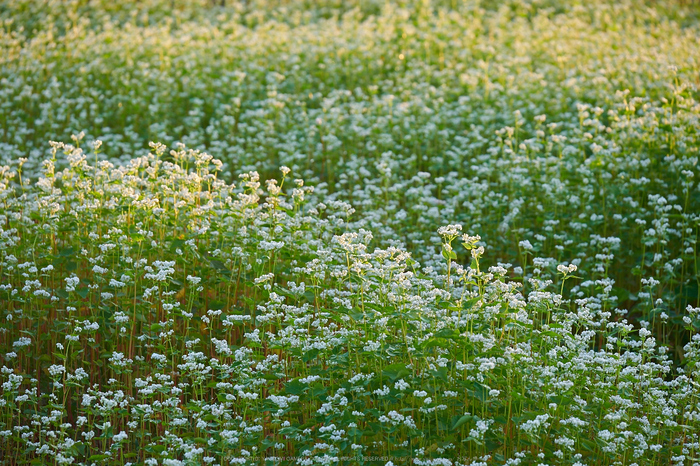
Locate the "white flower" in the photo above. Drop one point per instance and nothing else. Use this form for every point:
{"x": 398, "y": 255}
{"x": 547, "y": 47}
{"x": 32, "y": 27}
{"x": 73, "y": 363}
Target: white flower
{"x": 450, "y": 231}
{"x": 401, "y": 385}
{"x": 525, "y": 244}
{"x": 193, "y": 280}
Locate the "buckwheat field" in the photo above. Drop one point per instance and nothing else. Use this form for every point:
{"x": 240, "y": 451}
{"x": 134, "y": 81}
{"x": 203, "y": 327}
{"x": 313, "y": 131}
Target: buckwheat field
{"x": 349, "y": 232}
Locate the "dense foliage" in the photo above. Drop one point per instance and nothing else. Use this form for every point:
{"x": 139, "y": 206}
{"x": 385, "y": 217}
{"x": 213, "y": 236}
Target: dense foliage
{"x": 157, "y": 308}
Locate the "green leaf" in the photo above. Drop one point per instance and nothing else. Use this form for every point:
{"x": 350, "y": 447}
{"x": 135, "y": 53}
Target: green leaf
{"x": 588, "y": 445}
{"x": 220, "y": 267}
{"x": 310, "y": 355}
{"x": 479, "y": 391}
{"x": 295, "y": 387}
{"x": 461, "y": 421}
{"x": 291, "y": 430}
{"x": 446, "y": 333}
{"x": 156, "y": 448}
{"x": 440, "y": 373}
{"x": 448, "y": 255}
{"x": 395, "y": 371}
{"x": 436, "y": 341}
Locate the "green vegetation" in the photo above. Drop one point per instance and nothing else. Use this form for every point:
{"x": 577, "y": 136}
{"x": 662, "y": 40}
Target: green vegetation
{"x": 484, "y": 250}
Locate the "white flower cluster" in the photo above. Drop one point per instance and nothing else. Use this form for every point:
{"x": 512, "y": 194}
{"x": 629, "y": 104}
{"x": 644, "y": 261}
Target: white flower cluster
{"x": 350, "y": 325}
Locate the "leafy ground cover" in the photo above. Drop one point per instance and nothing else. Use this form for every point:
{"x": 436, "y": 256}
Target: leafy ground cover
{"x": 484, "y": 250}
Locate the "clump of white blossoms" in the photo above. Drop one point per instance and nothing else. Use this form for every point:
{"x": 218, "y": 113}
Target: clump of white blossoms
{"x": 188, "y": 332}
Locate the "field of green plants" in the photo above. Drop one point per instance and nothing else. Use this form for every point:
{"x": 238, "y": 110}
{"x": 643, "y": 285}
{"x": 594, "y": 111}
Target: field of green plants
{"x": 349, "y": 232}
